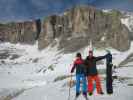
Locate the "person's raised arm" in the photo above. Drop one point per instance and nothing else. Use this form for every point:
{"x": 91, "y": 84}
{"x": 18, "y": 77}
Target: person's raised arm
{"x": 100, "y": 58}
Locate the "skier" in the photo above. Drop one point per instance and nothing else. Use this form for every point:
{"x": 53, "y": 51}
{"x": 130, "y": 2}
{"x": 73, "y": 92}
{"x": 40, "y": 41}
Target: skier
{"x": 109, "y": 79}
{"x": 80, "y": 75}
{"x": 92, "y": 72}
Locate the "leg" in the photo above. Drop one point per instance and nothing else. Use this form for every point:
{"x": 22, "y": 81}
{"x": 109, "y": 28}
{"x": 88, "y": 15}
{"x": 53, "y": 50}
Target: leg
{"x": 98, "y": 84}
{"x": 94, "y": 86}
{"x": 90, "y": 84}
{"x": 84, "y": 85}
{"x": 77, "y": 85}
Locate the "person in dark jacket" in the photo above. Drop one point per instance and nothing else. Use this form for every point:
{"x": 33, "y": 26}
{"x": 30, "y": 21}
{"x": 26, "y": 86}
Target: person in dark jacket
{"x": 109, "y": 79}
{"x": 92, "y": 72}
{"x": 80, "y": 75}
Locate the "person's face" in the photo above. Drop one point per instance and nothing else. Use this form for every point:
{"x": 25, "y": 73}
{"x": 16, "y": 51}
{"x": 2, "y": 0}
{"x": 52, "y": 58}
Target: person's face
{"x": 90, "y": 54}
{"x": 78, "y": 57}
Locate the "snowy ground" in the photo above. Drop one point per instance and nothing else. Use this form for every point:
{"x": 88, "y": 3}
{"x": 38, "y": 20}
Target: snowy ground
{"x": 30, "y": 75}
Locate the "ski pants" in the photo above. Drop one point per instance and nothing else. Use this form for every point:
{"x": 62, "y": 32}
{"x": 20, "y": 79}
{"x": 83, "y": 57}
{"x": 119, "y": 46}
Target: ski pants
{"x": 91, "y": 79}
{"x": 79, "y": 78}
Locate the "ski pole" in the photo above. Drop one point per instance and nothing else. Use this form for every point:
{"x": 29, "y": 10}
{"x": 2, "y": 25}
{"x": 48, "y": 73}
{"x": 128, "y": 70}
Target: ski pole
{"x": 70, "y": 87}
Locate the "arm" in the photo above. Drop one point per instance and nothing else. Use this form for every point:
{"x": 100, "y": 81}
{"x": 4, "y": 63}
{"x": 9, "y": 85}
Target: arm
{"x": 86, "y": 61}
{"x": 100, "y": 58}
{"x": 73, "y": 68}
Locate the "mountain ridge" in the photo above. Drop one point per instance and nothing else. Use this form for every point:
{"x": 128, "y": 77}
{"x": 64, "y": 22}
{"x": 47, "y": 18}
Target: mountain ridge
{"x": 71, "y": 30}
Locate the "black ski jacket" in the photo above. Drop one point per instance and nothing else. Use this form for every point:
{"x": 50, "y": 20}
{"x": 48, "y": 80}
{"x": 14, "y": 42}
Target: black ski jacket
{"x": 91, "y": 64}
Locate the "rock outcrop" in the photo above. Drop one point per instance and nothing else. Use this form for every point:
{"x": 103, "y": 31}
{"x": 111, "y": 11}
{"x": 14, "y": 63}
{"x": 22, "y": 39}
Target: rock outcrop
{"x": 77, "y": 26}
{"x": 23, "y": 32}
{"x": 72, "y": 30}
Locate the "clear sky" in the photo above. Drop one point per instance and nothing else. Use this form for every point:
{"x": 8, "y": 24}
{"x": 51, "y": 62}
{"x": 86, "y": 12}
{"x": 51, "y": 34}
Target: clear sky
{"x": 30, "y": 9}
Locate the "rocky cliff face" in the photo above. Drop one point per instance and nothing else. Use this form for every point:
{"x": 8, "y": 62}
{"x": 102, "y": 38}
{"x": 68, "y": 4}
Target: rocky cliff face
{"x": 77, "y": 26}
{"x": 23, "y": 32}
{"x": 128, "y": 21}
{"x": 72, "y": 30}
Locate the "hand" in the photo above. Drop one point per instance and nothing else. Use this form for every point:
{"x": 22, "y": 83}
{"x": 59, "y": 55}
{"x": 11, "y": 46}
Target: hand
{"x": 71, "y": 83}
{"x": 71, "y": 71}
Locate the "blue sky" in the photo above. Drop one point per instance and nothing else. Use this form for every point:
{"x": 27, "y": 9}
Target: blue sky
{"x": 30, "y": 9}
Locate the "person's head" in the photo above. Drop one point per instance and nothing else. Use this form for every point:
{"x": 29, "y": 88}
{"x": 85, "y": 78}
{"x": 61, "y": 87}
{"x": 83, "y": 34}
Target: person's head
{"x": 108, "y": 51}
{"x": 90, "y": 53}
{"x": 78, "y": 55}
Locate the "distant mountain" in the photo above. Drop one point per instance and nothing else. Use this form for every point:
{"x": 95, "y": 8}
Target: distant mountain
{"x": 126, "y": 5}
{"x": 72, "y": 30}
{"x": 31, "y": 9}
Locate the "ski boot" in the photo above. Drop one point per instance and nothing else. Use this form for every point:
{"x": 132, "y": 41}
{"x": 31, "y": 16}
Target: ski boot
{"x": 85, "y": 96}
{"x": 90, "y": 93}
{"x": 77, "y": 95}
{"x": 101, "y": 93}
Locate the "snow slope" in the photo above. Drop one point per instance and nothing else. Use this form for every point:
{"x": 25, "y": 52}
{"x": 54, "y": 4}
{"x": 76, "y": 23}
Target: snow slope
{"x": 34, "y": 72}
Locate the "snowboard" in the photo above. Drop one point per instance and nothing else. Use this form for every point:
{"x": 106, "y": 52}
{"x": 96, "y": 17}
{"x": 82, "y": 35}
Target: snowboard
{"x": 109, "y": 79}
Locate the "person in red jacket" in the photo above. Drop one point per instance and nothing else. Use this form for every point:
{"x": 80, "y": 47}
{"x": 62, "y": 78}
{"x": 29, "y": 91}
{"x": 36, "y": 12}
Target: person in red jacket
{"x": 92, "y": 72}
{"x": 80, "y": 75}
